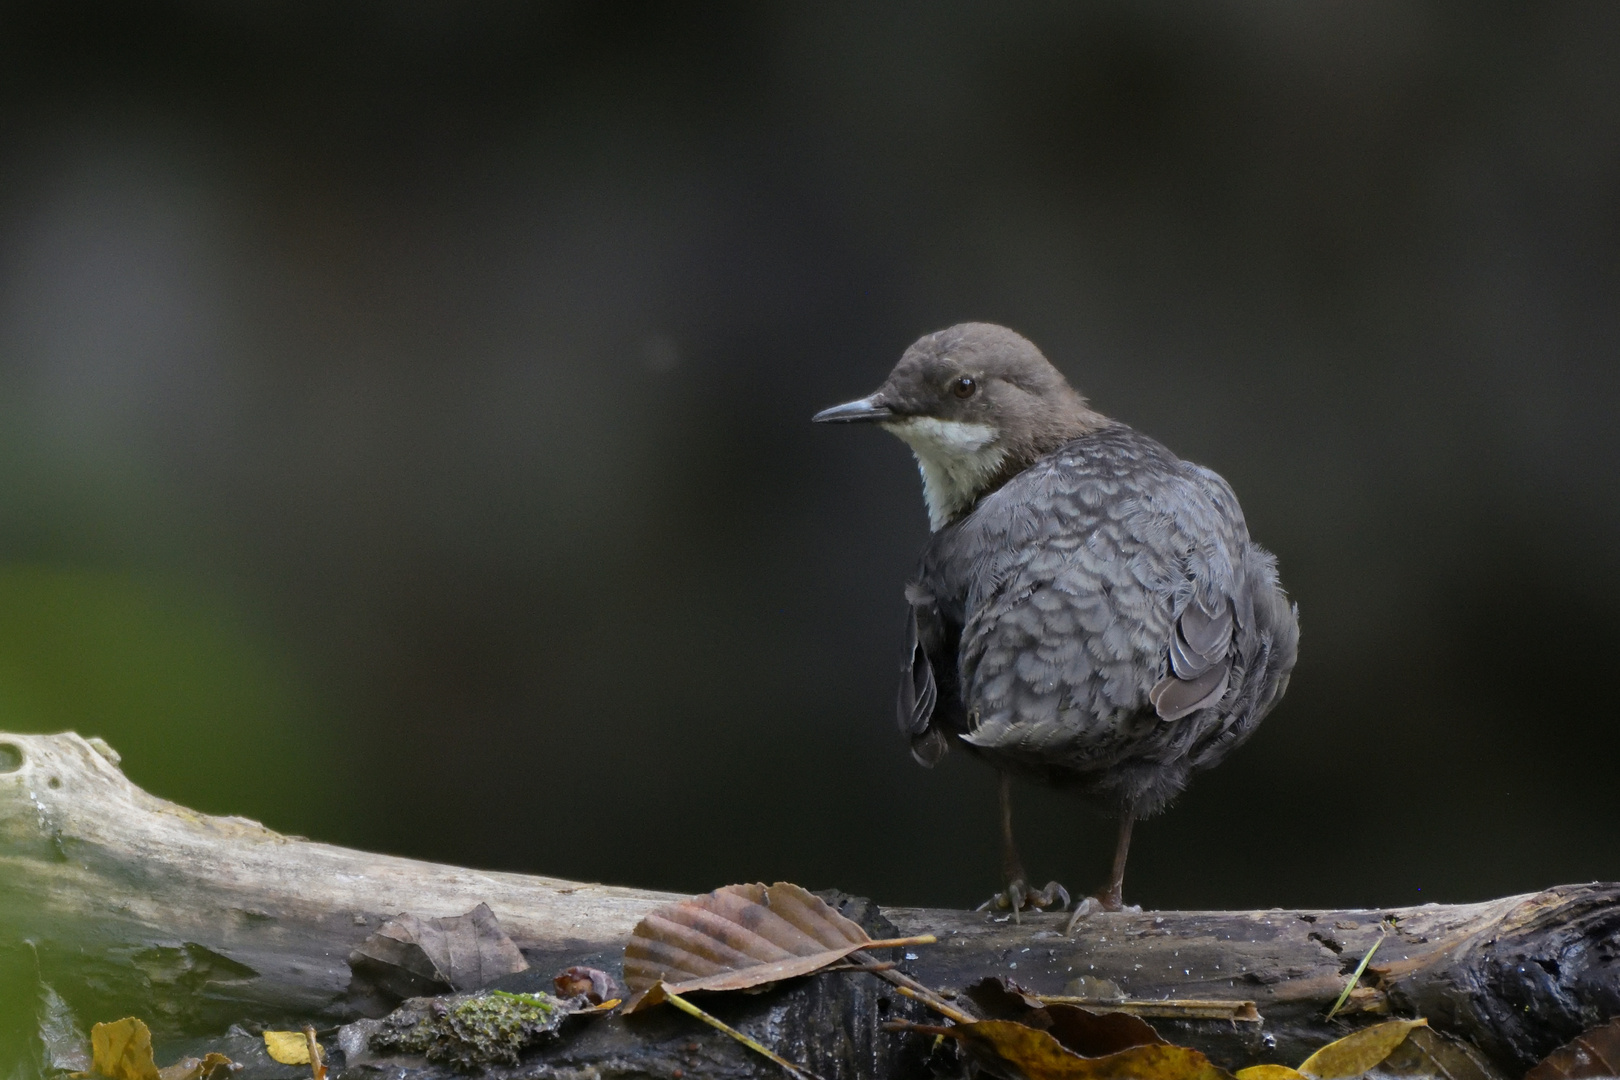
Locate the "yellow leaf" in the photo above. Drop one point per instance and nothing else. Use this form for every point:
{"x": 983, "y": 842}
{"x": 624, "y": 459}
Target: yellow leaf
{"x": 122, "y": 1050}
{"x": 1359, "y": 1051}
{"x": 287, "y": 1047}
{"x": 1269, "y": 1072}
{"x": 1038, "y": 1056}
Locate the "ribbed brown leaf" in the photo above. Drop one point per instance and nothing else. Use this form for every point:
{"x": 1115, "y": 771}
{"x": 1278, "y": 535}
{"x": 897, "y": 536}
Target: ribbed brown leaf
{"x": 1595, "y": 1052}
{"x": 735, "y": 938}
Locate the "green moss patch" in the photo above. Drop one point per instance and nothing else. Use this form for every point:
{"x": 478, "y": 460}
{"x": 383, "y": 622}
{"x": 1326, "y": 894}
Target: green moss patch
{"x": 468, "y": 1031}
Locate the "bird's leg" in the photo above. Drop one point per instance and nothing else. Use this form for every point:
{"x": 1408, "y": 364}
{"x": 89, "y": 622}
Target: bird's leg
{"x": 1018, "y": 894}
{"x": 1111, "y": 896}
{"x": 1012, "y": 867}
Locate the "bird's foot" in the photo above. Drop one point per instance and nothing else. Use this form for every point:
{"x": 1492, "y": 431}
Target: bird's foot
{"x": 1107, "y": 900}
{"x": 1019, "y": 897}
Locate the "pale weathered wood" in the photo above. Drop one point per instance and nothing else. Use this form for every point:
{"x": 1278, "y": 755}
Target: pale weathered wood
{"x": 168, "y": 909}
{"x": 134, "y": 904}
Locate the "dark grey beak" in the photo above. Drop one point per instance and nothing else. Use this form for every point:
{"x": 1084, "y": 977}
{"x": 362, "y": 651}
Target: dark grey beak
{"x": 865, "y": 410}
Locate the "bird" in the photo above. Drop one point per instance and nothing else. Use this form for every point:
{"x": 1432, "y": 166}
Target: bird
{"x": 1088, "y": 612}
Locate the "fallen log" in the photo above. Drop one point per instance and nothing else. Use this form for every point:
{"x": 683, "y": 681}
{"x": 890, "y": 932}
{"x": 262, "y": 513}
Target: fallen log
{"x": 127, "y": 904}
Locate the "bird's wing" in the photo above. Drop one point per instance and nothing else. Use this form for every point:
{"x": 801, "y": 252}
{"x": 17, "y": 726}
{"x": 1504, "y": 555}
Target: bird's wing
{"x": 1099, "y": 598}
{"x": 928, "y": 704}
{"x": 918, "y": 687}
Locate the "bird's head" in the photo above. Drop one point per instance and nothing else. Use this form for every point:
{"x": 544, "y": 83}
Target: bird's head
{"x": 977, "y": 403}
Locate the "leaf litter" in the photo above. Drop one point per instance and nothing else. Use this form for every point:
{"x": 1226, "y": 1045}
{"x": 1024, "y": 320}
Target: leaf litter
{"x": 1593, "y": 1053}
{"x": 1394, "y": 1048}
{"x": 749, "y": 937}
{"x": 122, "y": 1050}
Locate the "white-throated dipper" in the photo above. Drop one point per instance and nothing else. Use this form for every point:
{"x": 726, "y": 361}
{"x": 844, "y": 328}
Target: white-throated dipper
{"x": 1090, "y": 611}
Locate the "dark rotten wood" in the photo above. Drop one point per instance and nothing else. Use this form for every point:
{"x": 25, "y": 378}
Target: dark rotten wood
{"x": 126, "y": 904}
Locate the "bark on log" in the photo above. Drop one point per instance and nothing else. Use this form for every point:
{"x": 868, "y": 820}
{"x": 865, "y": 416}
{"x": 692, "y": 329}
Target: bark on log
{"x": 132, "y": 904}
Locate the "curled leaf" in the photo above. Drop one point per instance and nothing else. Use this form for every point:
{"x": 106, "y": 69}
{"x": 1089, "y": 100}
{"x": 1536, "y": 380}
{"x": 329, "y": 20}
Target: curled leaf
{"x": 1359, "y": 1051}
{"x": 593, "y": 985}
{"x": 1594, "y": 1052}
{"x": 1269, "y": 1072}
{"x": 735, "y": 938}
{"x": 216, "y": 1066}
{"x": 287, "y": 1047}
{"x": 122, "y": 1050}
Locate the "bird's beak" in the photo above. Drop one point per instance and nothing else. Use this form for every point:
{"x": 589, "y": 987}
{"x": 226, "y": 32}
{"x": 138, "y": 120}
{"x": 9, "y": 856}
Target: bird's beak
{"x": 864, "y": 410}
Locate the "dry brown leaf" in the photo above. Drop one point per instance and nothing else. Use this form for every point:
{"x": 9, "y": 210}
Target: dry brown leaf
{"x": 1088, "y": 1032}
{"x": 735, "y": 938}
{"x": 122, "y": 1050}
{"x": 1269, "y": 1072}
{"x": 1359, "y": 1051}
{"x": 287, "y": 1047}
{"x": 1037, "y": 1055}
{"x": 1095, "y": 1034}
{"x": 1594, "y": 1052}
{"x": 414, "y": 957}
{"x": 1429, "y": 1055}
{"x": 216, "y": 1066}
{"x": 1000, "y": 998}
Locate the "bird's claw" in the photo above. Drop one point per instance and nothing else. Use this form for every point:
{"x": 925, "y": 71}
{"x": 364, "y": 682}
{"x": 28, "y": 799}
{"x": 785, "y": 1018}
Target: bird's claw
{"x": 1019, "y": 897}
{"x": 1090, "y": 905}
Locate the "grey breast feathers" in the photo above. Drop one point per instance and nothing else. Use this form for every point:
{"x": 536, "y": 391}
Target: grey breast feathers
{"x": 1098, "y": 594}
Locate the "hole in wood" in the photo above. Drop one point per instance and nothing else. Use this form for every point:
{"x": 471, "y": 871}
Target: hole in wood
{"x": 11, "y": 758}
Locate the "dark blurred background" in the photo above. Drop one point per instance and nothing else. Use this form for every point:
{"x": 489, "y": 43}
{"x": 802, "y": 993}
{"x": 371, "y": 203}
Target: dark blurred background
{"x": 404, "y": 416}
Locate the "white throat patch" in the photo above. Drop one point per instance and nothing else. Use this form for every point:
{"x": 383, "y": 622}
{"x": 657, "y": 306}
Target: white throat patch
{"x": 956, "y": 458}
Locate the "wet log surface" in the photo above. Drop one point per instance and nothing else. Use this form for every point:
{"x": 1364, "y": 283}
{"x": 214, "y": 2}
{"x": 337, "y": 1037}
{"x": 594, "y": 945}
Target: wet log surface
{"x": 127, "y": 904}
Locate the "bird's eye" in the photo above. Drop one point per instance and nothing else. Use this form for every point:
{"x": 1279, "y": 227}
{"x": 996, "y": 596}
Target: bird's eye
{"x": 964, "y": 387}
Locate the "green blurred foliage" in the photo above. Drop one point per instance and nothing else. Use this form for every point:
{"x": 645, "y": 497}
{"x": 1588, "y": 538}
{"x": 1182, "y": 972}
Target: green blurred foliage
{"x": 198, "y": 702}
